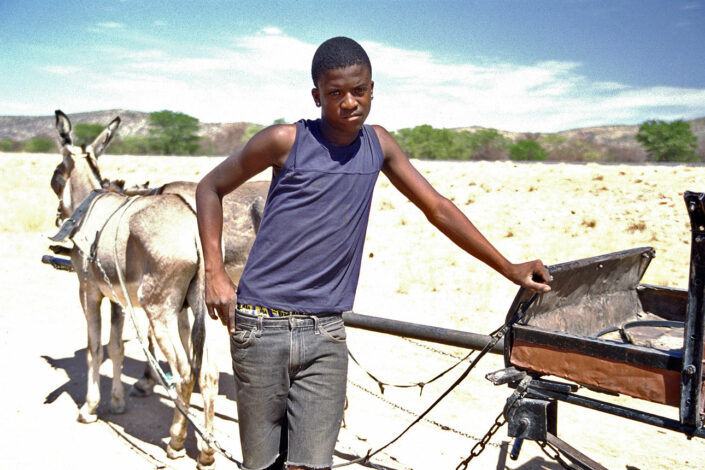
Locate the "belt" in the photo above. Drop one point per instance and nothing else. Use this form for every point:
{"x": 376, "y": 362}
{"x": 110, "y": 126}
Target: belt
{"x": 260, "y": 311}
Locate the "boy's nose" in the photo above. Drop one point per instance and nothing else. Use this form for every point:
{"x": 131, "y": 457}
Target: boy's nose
{"x": 349, "y": 101}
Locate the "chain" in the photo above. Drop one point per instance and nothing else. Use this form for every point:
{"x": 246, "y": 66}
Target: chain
{"x": 545, "y": 447}
{"x": 477, "y": 449}
{"x": 381, "y": 384}
{"x": 482, "y": 443}
{"x": 432, "y": 349}
{"x": 411, "y": 413}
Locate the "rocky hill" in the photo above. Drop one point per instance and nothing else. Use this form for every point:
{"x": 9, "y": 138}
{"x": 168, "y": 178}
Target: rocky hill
{"x": 619, "y": 141}
{"x": 225, "y": 137}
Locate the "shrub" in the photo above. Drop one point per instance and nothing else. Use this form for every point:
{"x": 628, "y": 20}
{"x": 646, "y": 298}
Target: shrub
{"x": 668, "y": 141}
{"x": 9, "y": 145}
{"x": 39, "y": 145}
{"x": 526, "y": 149}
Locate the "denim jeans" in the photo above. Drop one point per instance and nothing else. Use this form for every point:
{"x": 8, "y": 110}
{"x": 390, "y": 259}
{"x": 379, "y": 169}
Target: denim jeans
{"x": 291, "y": 374}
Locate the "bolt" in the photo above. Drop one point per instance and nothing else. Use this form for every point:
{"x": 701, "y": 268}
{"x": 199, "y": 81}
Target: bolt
{"x": 691, "y": 207}
{"x": 689, "y": 369}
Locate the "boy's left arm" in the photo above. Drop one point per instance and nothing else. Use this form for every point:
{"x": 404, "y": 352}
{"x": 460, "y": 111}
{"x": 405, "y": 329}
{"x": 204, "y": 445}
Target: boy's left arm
{"x": 443, "y": 214}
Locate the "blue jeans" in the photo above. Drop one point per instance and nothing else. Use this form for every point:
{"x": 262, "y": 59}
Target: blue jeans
{"x": 291, "y": 374}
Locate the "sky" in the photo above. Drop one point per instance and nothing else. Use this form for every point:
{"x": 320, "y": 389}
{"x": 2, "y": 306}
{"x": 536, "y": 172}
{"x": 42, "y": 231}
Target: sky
{"x": 523, "y": 66}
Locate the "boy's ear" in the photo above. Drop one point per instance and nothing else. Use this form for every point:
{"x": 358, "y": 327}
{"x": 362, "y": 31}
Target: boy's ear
{"x": 316, "y": 96}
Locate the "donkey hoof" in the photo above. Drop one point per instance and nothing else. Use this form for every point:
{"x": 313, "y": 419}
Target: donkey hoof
{"x": 117, "y": 407}
{"x": 205, "y": 466}
{"x": 142, "y": 389}
{"x": 174, "y": 454}
{"x": 86, "y": 417}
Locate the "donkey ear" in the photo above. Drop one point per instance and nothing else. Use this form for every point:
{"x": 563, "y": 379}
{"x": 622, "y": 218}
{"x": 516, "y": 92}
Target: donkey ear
{"x": 63, "y": 127}
{"x": 103, "y": 140}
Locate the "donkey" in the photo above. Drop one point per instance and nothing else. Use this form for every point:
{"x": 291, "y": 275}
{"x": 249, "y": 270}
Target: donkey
{"x": 153, "y": 240}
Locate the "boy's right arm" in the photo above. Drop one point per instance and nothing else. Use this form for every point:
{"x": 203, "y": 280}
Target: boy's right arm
{"x": 268, "y": 148}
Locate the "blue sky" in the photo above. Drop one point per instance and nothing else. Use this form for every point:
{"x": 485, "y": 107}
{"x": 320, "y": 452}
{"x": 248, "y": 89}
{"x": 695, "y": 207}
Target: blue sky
{"x": 513, "y": 65}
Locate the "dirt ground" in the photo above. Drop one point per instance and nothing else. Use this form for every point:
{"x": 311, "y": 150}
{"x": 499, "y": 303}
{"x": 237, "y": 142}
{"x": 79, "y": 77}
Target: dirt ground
{"x": 557, "y": 212}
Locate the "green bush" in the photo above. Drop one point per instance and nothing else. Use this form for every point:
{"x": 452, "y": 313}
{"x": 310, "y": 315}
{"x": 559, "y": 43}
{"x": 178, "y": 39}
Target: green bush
{"x": 9, "y": 145}
{"x": 135, "y": 145}
{"x": 668, "y": 141}
{"x": 487, "y": 144}
{"x": 39, "y": 145}
{"x": 85, "y": 134}
{"x": 527, "y": 150}
{"x": 174, "y": 133}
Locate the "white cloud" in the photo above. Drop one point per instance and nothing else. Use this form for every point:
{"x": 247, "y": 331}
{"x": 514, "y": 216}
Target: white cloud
{"x": 264, "y": 76}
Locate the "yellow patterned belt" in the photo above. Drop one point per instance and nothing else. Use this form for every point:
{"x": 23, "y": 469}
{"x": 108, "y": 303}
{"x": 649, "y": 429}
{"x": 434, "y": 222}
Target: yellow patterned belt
{"x": 266, "y": 311}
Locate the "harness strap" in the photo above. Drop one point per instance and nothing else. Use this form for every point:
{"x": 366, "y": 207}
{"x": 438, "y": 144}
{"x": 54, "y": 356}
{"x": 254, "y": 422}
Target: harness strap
{"x": 70, "y": 225}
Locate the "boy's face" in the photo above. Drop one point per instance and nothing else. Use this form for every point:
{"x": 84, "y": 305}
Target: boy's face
{"x": 344, "y": 95}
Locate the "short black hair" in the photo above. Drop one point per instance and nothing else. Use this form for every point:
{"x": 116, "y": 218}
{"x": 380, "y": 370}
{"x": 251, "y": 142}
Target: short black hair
{"x": 337, "y": 52}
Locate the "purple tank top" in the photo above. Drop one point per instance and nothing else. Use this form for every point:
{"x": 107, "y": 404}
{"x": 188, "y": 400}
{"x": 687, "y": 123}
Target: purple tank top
{"x": 307, "y": 253}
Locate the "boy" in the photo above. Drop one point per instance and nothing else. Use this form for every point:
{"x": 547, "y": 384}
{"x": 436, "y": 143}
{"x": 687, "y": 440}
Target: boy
{"x": 287, "y": 335}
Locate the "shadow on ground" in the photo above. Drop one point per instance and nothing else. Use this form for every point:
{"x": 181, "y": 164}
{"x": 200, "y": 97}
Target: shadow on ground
{"x": 146, "y": 419}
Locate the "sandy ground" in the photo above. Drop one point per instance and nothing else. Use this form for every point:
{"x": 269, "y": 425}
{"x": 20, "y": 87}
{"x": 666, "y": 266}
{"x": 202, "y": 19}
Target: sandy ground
{"x": 558, "y": 212}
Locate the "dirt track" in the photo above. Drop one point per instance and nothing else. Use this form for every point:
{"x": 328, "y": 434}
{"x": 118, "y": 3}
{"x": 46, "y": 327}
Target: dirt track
{"x": 409, "y": 273}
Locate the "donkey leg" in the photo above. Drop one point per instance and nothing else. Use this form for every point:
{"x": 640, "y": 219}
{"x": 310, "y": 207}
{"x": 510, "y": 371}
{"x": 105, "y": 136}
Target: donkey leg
{"x": 144, "y": 387}
{"x": 207, "y": 369}
{"x": 167, "y": 336}
{"x": 90, "y": 301}
{"x": 116, "y": 352}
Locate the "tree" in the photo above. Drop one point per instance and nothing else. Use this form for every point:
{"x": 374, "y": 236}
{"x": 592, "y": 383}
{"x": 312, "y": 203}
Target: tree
{"x": 86, "y": 133}
{"x": 425, "y": 142}
{"x": 174, "y": 133}
{"x": 135, "y": 145}
{"x": 9, "y": 145}
{"x": 668, "y": 141}
{"x": 488, "y": 144}
{"x": 526, "y": 149}
{"x": 39, "y": 145}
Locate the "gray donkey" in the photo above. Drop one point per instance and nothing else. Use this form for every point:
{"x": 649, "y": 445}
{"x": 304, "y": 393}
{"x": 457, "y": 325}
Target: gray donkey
{"x": 153, "y": 241}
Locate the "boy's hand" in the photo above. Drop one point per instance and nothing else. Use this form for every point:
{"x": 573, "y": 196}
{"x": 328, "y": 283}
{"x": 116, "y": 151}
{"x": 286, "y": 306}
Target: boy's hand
{"x": 531, "y": 275}
{"x": 221, "y": 299}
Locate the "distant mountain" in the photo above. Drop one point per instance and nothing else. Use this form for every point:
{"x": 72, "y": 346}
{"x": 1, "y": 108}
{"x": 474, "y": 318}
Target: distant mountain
{"x": 227, "y": 137}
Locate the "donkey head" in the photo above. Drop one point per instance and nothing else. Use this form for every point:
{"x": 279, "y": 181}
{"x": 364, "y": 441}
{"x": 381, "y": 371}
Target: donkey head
{"x": 78, "y": 174}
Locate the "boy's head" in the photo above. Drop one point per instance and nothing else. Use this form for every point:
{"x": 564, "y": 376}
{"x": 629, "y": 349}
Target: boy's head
{"x": 335, "y": 53}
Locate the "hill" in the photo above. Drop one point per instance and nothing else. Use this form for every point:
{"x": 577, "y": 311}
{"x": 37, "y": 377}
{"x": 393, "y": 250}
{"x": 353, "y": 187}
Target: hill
{"x": 225, "y": 137}
{"x": 617, "y": 141}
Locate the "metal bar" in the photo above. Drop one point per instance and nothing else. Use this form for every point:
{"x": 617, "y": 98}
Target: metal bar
{"x": 461, "y": 339}
{"x": 692, "y": 372}
{"x": 596, "y": 347}
{"x": 577, "y": 457}
{"x": 62, "y": 264}
{"x": 617, "y": 410}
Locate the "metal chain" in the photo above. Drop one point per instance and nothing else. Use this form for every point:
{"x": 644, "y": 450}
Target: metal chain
{"x": 556, "y": 454}
{"x": 432, "y": 349}
{"x": 442, "y": 426}
{"x": 381, "y": 384}
{"x": 479, "y": 447}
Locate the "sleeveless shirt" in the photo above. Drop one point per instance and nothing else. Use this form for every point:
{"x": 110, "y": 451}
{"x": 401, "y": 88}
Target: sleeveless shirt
{"x": 307, "y": 254}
